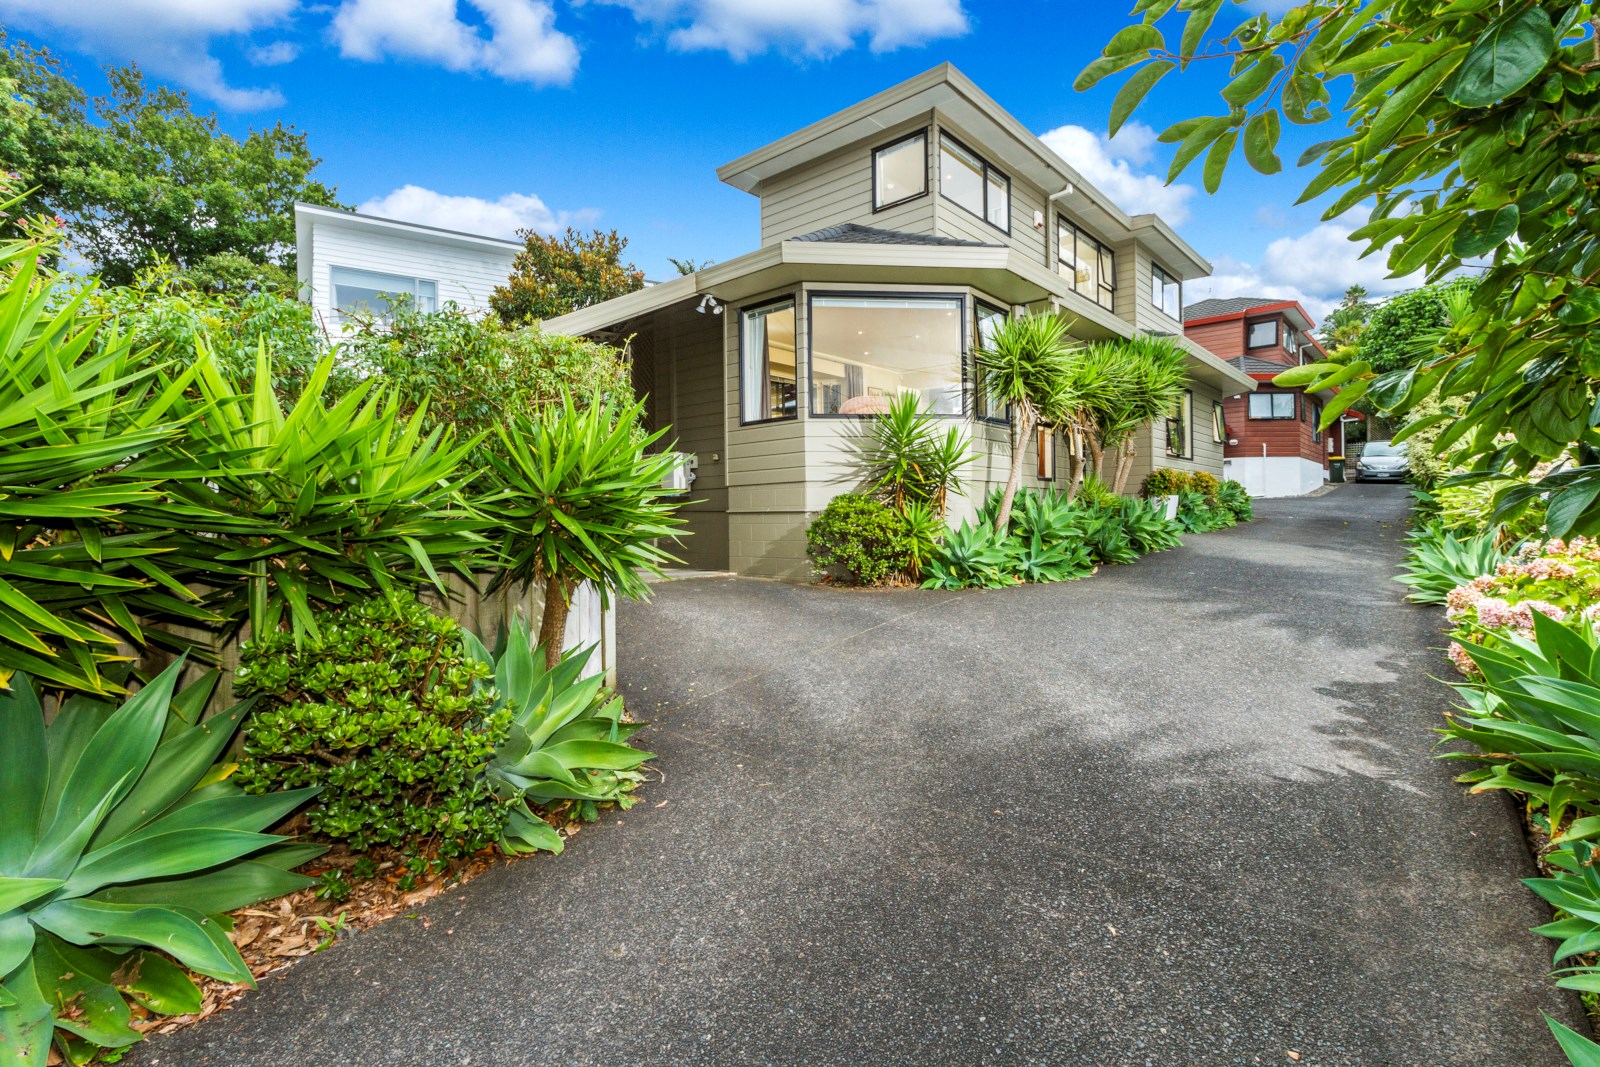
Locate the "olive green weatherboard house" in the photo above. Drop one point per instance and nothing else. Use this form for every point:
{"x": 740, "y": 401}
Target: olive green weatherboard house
{"x": 894, "y": 235}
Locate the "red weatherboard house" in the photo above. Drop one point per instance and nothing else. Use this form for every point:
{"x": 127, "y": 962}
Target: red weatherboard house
{"x": 1272, "y": 444}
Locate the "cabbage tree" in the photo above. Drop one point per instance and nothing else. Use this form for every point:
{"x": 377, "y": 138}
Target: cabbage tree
{"x": 1027, "y": 365}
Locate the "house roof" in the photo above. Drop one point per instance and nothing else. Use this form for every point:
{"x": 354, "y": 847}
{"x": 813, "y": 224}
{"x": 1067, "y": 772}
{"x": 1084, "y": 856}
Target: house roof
{"x": 1010, "y": 145}
{"x": 855, "y": 234}
{"x": 1257, "y": 365}
{"x": 306, "y": 213}
{"x": 1215, "y": 308}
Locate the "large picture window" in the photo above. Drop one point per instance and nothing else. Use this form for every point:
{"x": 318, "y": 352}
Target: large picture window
{"x": 968, "y": 181}
{"x": 1090, "y": 265}
{"x": 866, "y": 350}
{"x": 1271, "y": 405}
{"x": 900, "y": 171}
{"x": 986, "y": 323}
{"x": 1166, "y": 292}
{"x": 367, "y": 292}
{"x": 768, "y": 382}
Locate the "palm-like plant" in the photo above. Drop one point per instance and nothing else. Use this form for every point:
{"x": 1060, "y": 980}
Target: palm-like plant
{"x": 1027, "y": 365}
{"x": 1147, "y": 378}
{"x": 906, "y": 459}
{"x": 578, "y": 499}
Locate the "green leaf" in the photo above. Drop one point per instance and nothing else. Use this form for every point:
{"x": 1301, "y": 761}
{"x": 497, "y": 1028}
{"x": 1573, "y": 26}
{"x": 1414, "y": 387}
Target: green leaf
{"x": 1101, "y": 68}
{"x": 1217, "y": 160}
{"x": 1253, "y": 80}
{"x": 1580, "y": 1051}
{"x": 26, "y": 1020}
{"x": 180, "y": 933}
{"x": 1135, "y": 90}
{"x": 1201, "y": 16}
{"x": 15, "y": 892}
{"x": 1138, "y": 37}
{"x": 1261, "y": 141}
{"x": 23, "y": 770}
{"x": 1511, "y": 53}
{"x": 1484, "y": 231}
{"x": 1568, "y": 504}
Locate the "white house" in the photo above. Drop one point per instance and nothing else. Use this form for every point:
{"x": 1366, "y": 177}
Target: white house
{"x": 351, "y": 262}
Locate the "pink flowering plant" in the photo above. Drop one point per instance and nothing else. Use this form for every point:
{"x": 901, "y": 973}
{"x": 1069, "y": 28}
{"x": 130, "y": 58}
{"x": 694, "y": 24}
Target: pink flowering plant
{"x": 1558, "y": 579}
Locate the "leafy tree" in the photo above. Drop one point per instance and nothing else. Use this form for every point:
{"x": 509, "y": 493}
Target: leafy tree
{"x": 1346, "y": 323}
{"x": 1471, "y": 135}
{"x": 1143, "y": 377}
{"x": 1402, "y": 329}
{"x": 139, "y": 177}
{"x": 554, "y": 275}
{"x": 689, "y": 266}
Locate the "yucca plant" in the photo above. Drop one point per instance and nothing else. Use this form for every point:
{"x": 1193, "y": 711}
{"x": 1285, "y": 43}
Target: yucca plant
{"x": 314, "y": 503}
{"x": 1438, "y": 561}
{"x": 567, "y": 740}
{"x": 1145, "y": 376}
{"x": 906, "y": 459}
{"x": 576, "y": 499}
{"x": 121, "y": 841}
{"x": 83, "y": 419}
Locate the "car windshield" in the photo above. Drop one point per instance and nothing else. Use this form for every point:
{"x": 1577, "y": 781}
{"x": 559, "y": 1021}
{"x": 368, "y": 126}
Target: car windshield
{"x": 1383, "y": 448}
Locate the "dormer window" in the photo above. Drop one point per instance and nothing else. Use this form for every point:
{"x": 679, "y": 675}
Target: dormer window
{"x": 965, "y": 179}
{"x": 900, "y": 171}
{"x": 1264, "y": 334}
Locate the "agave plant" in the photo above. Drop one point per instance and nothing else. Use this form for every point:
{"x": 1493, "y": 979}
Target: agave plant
{"x": 971, "y": 556}
{"x": 120, "y": 845}
{"x": 567, "y": 740}
{"x": 1438, "y": 561}
{"x": 1033, "y": 559}
{"x": 1147, "y": 526}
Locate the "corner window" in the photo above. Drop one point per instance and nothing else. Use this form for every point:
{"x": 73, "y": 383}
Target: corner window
{"x": 1264, "y": 334}
{"x": 866, "y": 350}
{"x": 1046, "y": 447}
{"x": 1166, "y": 292}
{"x": 1089, "y": 265}
{"x": 900, "y": 171}
{"x": 1271, "y": 405}
{"x": 969, "y": 182}
{"x": 986, "y": 322}
{"x": 1219, "y": 424}
{"x": 1179, "y": 427}
{"x": 768, "y": 383}
{"x": 366, "y": 292}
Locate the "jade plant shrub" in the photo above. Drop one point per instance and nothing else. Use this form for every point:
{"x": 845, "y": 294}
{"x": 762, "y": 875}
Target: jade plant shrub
{"x": 868, "y": 538}
{"x": 566, "y": 744}
{"x": 383, "y": 710}
{"x": 1164, "y": 481}
{"x": 122, "y": 842}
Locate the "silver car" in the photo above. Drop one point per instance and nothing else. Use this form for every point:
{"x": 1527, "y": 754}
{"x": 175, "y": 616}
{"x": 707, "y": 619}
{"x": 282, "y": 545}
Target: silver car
{"x": 1382, "y": 461}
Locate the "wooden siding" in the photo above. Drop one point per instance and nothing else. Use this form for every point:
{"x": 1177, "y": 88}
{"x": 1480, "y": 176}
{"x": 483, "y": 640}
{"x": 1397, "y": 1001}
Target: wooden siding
{"x": 1146, "y": 315}
{"x": 837, "y": 189}
{"x": 466, "y": 276}
{"x": 688, "y": 352}
{"x": 1225, "y": 339}
{"x": 1282, "y": 437}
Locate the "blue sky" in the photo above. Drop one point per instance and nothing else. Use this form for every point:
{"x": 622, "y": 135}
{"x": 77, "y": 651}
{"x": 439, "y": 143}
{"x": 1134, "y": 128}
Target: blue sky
{"x": 489, "y": 114}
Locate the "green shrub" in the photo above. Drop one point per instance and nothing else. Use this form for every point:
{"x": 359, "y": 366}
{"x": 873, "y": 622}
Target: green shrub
{"x": 1233, "y": 496}
{"x": 1205, "y": 483}
{"x": 1164, "y": 481}
{"x": 566, "y": 744}
{"x": 382, "y": 709}
{"x": 121, "y": 842}
{"x": 1199, "y": 514}
{"x": 1470, "y": 508}
{"x": 868, "y": 538}
{"x": 972, "y": 556}
{"x": 1437, "y": 561}
{"x": 1147, "y": 527}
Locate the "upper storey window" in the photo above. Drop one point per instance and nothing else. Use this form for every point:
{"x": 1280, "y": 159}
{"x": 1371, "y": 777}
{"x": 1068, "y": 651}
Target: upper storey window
{"x": 366, "y": 292}
{"x": 1166, "y": 292}
{"x": 1088, "y": 264}
{"x": 900, "y": 171}
{"x": 967, "y": 180}
{"x": 1264, "y": 334}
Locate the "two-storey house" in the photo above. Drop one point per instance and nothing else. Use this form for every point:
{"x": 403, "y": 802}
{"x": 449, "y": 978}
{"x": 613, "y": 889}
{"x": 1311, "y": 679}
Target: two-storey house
{"x": 1275, "y": 445}
{"x": 894, "y": 235}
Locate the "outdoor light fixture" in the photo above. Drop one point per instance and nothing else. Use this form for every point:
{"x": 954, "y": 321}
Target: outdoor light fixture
{"x": 709, "y": 301}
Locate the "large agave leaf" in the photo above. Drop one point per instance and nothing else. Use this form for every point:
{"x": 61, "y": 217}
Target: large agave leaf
{"x": 16, "y": 942}
{"x": 604, "y": 755}
{"x": 163, "y": 856}
{"x": 180, "y": 932}
{"x": 15, "y": 892}
{"x": 174, "y": 768}
{"x": 23, "y": 775}
{"x": 98, "y": 1013}
{"x": 26, "y": 1019}
{"x": 238, "y": 885}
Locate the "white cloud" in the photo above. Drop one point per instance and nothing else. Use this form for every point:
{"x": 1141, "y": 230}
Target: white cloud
{"x": 275, "y": 54}
{"x": 816, "y": 28}
{"x": 1112, "y": 166}
{"x": 522, "y": 43}
{"x": 1314, "y": 267}
{"x": 471, "y": 214}
{"x": 169, "y": 38}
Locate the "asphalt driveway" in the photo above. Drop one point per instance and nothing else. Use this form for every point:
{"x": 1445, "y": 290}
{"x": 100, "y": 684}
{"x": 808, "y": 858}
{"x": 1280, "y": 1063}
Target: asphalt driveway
{"x": 1180, "y": 813}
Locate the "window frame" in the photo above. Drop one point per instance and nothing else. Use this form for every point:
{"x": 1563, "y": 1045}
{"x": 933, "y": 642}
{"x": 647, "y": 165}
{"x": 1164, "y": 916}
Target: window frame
{"x": 880, "y": 149}
{"x": 1101, "y": 250}
{"x": 1219, "y": 423}
{"x": 969, "y": 368}
{"x": 883, "y": 294}
{"x": 987, "y": 169}
{"x": 1044, "y": 444}
{"x": 416, "y": 280}
{"x": 1294, "y": 405}
{"x": 1316, "y": 421}
{"x": 1170, "y": 279}
{"x": 1186, "y": 420}
{"x": 793, "y": 299}
{"x": 1277, "y": 333}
